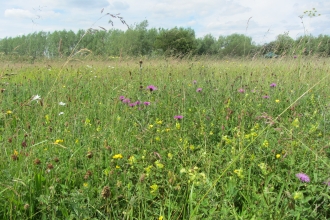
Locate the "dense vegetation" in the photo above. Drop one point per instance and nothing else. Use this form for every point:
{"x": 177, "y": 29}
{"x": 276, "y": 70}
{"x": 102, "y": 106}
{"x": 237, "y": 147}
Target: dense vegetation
{"x": 138, "y": 40}
{"x": 175, "y": 139}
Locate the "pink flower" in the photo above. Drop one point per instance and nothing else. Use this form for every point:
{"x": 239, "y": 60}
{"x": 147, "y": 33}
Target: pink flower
{"x": 303, "y": 177}
{"x": 178, "y": 117}
{"x": 151, "y": 88}
{"x": 199, "y": 90}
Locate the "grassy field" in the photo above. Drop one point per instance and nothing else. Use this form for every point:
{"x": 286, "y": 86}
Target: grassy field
{"x": 190, "y": 139}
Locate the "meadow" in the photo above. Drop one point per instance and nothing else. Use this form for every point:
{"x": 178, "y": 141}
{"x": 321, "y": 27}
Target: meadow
{"x": 165, "y": 139}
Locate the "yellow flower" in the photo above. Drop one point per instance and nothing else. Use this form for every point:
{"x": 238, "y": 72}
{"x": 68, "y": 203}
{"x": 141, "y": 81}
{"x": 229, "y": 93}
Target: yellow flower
{"x": 151, "y": 126}
{"x": 239, "y": 172}
{"x": 59, "y": 141}
{"x": 159, "y": 122}
{"x": 278, "y": 156}
{"x": 117, "y": 156}
{"x": 177, "y": 125}
{"x": 157, "y": 138}
{"x": 9, "y": 112}
{"x": 277, "y": 100}
{"x": 131, "y": 160}
{"x": 148, "y": 169}
{"x": 298, "y": 195}
{"x": 85, "y": 185}
{"x": 15, "y": 152}
{"x": 167, "y": 129}
{"x": 117, "y": 167}
{"x": 159, "y": 164}
{"x": 295, "y": 123}
{"x": 154, "y": 188}
{"x": 161, "y": 217}
{"x": 170, "y": 156}
{"x": 265, "y": 144}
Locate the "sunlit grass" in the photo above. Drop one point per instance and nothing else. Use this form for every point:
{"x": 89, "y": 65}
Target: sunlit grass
{"x": 215, "y": 139}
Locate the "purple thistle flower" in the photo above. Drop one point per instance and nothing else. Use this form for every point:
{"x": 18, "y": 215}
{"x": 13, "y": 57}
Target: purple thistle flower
{"x": 126, "y": 101}
{"x": 265, "y": 97}
{"x": 146, "y": 103}
{"x": 241, "y": 90}
{"x": 178, "y": 117}
{"x": 151, "y": 88}
{"x": 199, "y": 90}
{"x": 303, "y": 177}
{"x": 121, "y": 98}
{"x": 138, "y": 102}
{"x": 194, "y": 81}
{"x": 132, "y": 104}
{"x": 273, "y": 85}
{"x": 294, "y": 56}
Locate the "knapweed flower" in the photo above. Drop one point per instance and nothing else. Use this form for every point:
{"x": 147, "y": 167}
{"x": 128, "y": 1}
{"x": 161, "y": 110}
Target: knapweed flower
{"x": 294, "y": 56}
{"x": 126, "y": 101}
{"x": 121, "y": 98}
{"x": 303, "y": 177}
{"x": 273, "y": 85}
{"x": 199, "y": 90}
{"x": 151, "y": 88}
{"x": 178, "y": 117}
{"x": 241, "y": 90}
{"x": 146, "y": 103}
{"x": 132, "y": 104}
{"x": 194, "y": 81}
{"x": 62, "y": 103}
{"x": 117, "y": 156}
{"x": 265, "y": 97}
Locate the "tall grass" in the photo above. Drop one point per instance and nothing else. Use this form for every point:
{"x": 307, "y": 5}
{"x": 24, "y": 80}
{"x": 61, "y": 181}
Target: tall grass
{"x": 83, "y": 152}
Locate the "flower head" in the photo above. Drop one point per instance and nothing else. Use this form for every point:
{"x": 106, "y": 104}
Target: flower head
{"x": 273, "y": 85}
{"x": 146, "y": 103}
{"x": 303, "y": 177}
{"x": 121, "y": 98}
{"x": 36, "y": 98}
{"x": 117, "y": 156}
{"x": 178, "y": 117}
{"x": 151, "y": 88}
{"x": 199, "y": 90}
{"x": 194, "y": 81}
{"x": 62, "y": 103}
{"x": 241, "y": 90}
{"x": 265, "y": 97}
{"x": 126, "y": 101}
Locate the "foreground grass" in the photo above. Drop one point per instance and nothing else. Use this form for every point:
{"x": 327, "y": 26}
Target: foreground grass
{"x": 82, "y": 151}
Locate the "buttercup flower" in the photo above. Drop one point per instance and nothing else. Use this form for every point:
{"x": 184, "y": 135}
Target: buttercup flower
{"x": 303, "y": 177}
{"x": 117, "y": 156}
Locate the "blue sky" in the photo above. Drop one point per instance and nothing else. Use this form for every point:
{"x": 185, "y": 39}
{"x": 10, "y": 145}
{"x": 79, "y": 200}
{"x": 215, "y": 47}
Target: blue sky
{"x": 263, "y": 20}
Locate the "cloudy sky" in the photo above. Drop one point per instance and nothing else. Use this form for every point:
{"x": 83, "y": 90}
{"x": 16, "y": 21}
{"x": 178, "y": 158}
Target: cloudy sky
{"x": 263, "y": 20}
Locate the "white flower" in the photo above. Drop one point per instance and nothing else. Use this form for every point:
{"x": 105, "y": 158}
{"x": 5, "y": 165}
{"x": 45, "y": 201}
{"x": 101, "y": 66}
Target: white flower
{"x": 36, "y": 98}
{"x": 61, "y": 113}
{"x": 62, "y": 103}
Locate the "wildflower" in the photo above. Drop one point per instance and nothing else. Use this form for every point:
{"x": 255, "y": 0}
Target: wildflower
{"x": 154, "y": 188}
{"x": 151, "y": 88}
{"x": 117, "y": 167}
{"x": 170, "y": 156}
{"x": 132, "y": 104}
{"x": 9, "y": 112}
{"x": 239, "y": 172}
{"x": 159, "y": 164}
{"x": 277, "y": 100}
{"x": 295, "y": 123}
{"x": 62, "y": 103}
{"x": 59, "y": 141}
{"x": 265, "y": 97}
{"x": 131, "y": 160}
{"x": 85, "y": 185}
{"x": 121, "y": 98}
{"x": 178, "y": 117}
{"x": 278, "y": 156}
{"x": 126, "y": 101}
{"x": 298, "y": 195}
{"x": 177, "y": 125}
{"x": 241, "y": 90}
{"x": 117, "y": 156}
{"x": 273, "y": 85}
{"x": 146, "y": 103}
{"x": 194, "y": 81}
{"x": 199, "y": 90}
{"x": 61, "y": 113}
{"x": 161, "y": 217}
{"x": 294, "y": 56}
{"x": 151, "y": 126}
{"x": 36, "y": 98}
{"x": 303, "y": 177}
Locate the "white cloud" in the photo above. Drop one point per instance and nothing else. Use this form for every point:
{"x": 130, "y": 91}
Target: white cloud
{"x": 18, "y": 13}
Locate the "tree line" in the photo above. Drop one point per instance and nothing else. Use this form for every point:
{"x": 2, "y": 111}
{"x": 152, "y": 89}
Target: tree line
{"x": 138, "y": 40}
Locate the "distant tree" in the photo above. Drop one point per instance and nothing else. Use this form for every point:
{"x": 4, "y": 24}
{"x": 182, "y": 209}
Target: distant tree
{"x": 236, "y": 45}
{"x": 207, "y": 45}
{"x": 177, "y": 41}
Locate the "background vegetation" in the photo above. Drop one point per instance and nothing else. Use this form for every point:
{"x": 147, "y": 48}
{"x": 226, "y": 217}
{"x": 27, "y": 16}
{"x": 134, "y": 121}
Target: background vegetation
{"x": 138, "y": 40}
